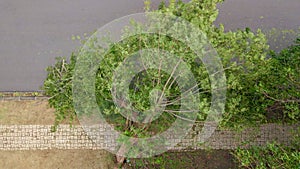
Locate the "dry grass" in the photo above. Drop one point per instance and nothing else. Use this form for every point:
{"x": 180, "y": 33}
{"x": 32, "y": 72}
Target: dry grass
{"x": 38, "y": 113}
{"x": 56, "y": 159}
{"x": 26, "y": 112}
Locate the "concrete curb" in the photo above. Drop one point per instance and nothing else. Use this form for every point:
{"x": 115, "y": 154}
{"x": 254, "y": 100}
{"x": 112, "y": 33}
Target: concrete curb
{"x": 20, "y": 96}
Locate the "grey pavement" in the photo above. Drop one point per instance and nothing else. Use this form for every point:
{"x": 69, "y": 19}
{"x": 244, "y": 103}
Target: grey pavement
{"x": 34, "y": 32}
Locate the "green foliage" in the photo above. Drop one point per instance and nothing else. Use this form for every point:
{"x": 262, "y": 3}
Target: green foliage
{"x": 243, "y": 54}
{"x": 243, "y": 46}
{"x": 271, "y": 156}
{"x": 58, "y": 85}
{"x": 281, "y": 84}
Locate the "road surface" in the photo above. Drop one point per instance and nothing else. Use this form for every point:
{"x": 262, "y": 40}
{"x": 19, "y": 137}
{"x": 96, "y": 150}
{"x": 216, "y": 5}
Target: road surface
{"x": 34, "y": 32}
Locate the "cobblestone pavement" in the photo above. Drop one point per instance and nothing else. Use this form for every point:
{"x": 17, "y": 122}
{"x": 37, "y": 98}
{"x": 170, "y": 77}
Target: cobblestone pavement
{"x": 40, "y": 137}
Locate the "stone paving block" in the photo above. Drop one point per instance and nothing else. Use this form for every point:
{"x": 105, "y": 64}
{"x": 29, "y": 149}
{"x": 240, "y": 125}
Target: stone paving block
{"x": 40, "y": 137}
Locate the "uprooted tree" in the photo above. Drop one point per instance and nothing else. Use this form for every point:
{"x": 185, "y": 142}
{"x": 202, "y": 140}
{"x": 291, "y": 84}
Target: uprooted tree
{"x": 244, "y": 57}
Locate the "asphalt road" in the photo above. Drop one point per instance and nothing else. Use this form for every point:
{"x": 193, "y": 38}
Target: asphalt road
{"x": 34, "y": 32}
